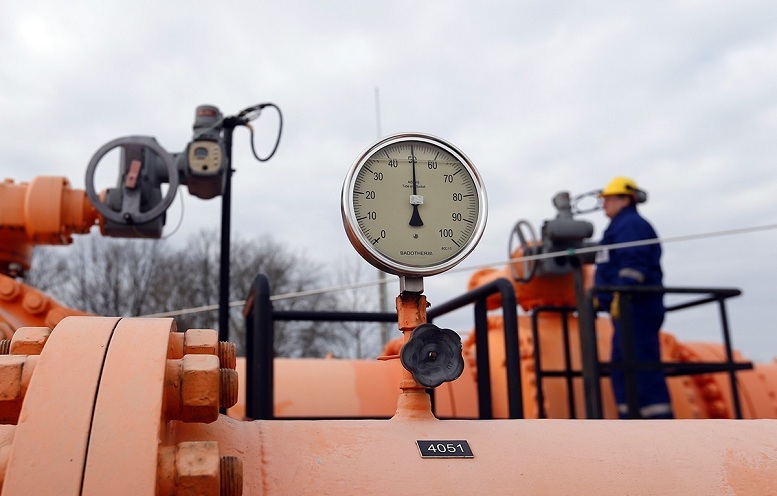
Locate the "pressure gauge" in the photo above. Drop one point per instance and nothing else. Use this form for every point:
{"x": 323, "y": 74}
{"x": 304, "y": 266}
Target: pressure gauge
{"x": 413, "y": 205}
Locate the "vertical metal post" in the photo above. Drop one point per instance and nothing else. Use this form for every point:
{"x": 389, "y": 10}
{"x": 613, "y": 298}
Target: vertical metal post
{"x": 481, "y": 354}
{"x": 538, "y": 363}
{"x": 512, "y": 347}
{"x": 259, "y": 354}
{"x": 510, "y": 328}
{"x": 588, "y": 348}
{"x": 730, "y": 359}
{"x": 226, "y": 214}
{"x": 630, "y": 365}
{"x": 382, "y": 294}
{"x": 568, "y": 365}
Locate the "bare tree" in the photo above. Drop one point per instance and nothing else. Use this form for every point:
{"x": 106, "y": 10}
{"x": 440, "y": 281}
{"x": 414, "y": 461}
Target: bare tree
{"x": 98, "y": 275}
{"x": 49, "y": 269}
{"x": 187, "y": 278}
{"x": 140, "y": 277}
{"x": 288, "y": 273}
{"x": 364, "y": 339}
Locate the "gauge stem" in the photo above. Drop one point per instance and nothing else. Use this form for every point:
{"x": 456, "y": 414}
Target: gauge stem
{"x": 410, "y": 284}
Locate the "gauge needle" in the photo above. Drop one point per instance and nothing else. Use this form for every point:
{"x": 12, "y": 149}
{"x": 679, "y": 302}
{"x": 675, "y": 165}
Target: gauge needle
{"x": 415, "y": 199}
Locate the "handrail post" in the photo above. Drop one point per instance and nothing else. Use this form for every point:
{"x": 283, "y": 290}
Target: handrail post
{"x": 512, "y": 347}
{"x": 730, "y": 359}
{"x": 485, "y": 410}
{"x": 629, "y": 365}
{"x": 567, "y": 364}
{"x": 588, "y": 349}
{"x": 535, "y": 334}
{"x": 259, "y": 353}
{"x": 510, "y": 328}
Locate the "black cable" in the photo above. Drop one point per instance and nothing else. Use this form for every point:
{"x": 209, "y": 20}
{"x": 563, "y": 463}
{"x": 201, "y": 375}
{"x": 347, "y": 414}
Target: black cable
{"x": 252, "y": 113}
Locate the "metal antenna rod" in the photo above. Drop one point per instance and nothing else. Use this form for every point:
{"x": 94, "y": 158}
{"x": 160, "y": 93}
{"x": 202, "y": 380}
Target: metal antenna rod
{"x": 384, "y": 330}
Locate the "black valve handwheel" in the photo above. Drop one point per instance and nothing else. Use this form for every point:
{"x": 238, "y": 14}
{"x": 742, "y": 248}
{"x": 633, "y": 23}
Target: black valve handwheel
{"x": 527, "y": 248}
{"x": 130, "y": 206}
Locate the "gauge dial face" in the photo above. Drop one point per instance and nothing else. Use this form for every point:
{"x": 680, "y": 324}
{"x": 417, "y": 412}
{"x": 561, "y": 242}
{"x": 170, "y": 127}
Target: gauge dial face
{"x": 413, "y": 205}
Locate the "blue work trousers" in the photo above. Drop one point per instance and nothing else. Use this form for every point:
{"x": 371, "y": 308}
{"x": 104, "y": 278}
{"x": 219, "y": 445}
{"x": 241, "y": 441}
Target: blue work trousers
{"x": 653, "y": 394}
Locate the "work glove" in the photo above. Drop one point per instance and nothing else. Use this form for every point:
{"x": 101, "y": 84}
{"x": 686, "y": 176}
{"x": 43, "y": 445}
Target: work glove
{"x": 615, "y": 306}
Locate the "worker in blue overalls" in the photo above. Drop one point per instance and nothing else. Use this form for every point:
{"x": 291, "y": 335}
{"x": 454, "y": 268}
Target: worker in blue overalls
{"x": 632, "y": 266}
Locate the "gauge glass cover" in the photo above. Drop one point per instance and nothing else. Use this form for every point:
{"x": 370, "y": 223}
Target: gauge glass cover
{"x": 413, "y": 204}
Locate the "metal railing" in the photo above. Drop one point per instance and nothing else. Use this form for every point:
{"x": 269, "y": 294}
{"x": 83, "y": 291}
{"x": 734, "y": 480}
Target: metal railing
{"x": 260, "y": 318}
{"x": 593, "y": 369}
{"x": 567, "y": 372}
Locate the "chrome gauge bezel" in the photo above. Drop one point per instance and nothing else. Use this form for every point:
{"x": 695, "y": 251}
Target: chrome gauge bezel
{"x": 379, "y": 259}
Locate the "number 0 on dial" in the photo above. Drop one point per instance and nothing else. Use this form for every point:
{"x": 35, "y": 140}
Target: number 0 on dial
{"x": 413, "y": 205}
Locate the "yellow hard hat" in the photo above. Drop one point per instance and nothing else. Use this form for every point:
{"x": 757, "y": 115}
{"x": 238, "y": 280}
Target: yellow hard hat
{"x": 620, "y": 186}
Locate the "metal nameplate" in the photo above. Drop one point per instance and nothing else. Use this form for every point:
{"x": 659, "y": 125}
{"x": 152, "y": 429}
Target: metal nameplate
{"x": 445, "y": 449}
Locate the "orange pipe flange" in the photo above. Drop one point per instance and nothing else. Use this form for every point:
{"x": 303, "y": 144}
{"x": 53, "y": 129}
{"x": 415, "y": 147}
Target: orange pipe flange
{"x": 128, "y": 423}
{"x": 130, "y": 412}
{"x": 50, "y": 441}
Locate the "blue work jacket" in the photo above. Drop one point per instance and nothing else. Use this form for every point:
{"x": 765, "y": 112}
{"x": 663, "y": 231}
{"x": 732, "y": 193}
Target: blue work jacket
{"x": 638, "y": 265}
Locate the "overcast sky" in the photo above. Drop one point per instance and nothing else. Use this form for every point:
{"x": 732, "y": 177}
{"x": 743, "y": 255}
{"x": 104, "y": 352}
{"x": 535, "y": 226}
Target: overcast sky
{"x": 542, "y": 96}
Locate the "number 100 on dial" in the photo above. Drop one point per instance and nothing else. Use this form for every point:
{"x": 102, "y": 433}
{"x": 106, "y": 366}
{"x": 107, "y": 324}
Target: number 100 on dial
{"x": 413, "y": 205}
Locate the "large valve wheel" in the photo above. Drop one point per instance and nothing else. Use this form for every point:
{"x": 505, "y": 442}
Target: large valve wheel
{"x": 130, "y": 212}
{"x": 527, "y": 246}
